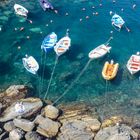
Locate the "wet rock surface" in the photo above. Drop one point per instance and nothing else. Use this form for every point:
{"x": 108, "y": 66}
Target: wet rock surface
{"x": 31, "y": 105}
{"x": 73, "y": 122}
{"x": 24, "y": 124}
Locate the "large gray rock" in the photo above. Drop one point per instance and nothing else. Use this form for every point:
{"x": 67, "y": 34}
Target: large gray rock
{"x": 12, "y": 94}
{"x": 75, "y": 130}
{"x": 24, "y": 124}
{"x": 47, "y": 127}
{"x": 92, "y": 123}
{"x": 51, "y": 112}
{"x": 16, "y": 134}
{"x": 32, "y": 136}
{"x": 9, "y": 126}
{"x": 122, "y": 132}
{"x": 31, "y": 106}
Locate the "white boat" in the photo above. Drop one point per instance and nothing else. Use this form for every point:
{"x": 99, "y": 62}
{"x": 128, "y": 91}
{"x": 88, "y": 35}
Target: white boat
{"x": 100, "y": 51}
{"x": 20, "y": 10}
{"x": 30, "y": 64}
{"x": 133, "y": 63}
{"x": 62, "y": 45}
{"x": 117, "y": 21}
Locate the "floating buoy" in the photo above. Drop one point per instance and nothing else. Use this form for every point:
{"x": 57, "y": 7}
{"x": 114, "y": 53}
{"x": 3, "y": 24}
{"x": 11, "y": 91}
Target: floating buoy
{"x": 21, "y": 29}
{"x": 19, "y": 47}
{"x": 87, "y": 17}
{"x": 134, "y": 5}
{"x": 28, "y": 37}
{"x": 66, "y": 14}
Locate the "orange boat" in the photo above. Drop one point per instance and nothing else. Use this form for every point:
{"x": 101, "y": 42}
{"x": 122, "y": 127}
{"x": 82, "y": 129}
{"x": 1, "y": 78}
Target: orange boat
{"x": 110, "y": 70}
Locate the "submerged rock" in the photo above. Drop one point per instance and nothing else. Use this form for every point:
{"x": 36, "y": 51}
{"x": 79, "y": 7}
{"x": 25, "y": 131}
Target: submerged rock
{"x": 112, "y": 121}
{"x": 117, "y": 132}
{"x": 51, "y": 112}
{"x": 31, "y": 106}
{"x": 47, "y": 127}
{"x": 75, "y": 130}
{"x": 16, "y": 134}
{"x": 24, "y": 124}
{"x": 35, "y": 30}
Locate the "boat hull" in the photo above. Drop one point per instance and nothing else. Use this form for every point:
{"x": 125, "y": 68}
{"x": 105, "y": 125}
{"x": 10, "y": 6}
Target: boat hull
{"x": 133, "y": 64}
{"x": 30, "y": 64}
{"x": 110, "y": 70}
{"x": 98, "y": 52}
{"x": 45, "y": 4}
{"x": 20, "y": 10}
{"x": 62, "y": 45}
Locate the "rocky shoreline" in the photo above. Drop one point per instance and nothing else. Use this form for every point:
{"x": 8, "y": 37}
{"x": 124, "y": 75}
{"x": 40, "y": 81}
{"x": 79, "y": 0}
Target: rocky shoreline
{"x": 27, "y": 118}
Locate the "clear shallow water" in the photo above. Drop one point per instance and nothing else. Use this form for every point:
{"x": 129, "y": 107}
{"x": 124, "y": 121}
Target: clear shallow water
{"x": 85, "y": 36}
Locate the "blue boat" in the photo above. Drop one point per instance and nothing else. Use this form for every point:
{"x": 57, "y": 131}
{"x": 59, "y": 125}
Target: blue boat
{"x": 45, "y": 4}
{"x": 49, "y": 42}
{"x": 117, "y": 21}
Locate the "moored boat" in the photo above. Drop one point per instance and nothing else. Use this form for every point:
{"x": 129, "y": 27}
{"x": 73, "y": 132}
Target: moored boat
{"x": 30, "y": 64}
{"x": 20, "y": 10}
{"x": 133, "y": 63}
{"x": 100, "y": 51}
{"x": 110, "y": 70}
{"x": 45, "y": 4}
{"x": 117, "y": 21}
{"x": 49, "y": 42}
{"x": 62, "y": 45}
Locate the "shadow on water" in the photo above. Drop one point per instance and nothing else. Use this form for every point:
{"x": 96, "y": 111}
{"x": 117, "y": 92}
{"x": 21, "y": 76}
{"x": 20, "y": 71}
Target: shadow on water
{"x": 5, "y": 67}
{"x": 73, "y": 53}
{"x": 117, "y": 80}
{"x": 44, "y": 71}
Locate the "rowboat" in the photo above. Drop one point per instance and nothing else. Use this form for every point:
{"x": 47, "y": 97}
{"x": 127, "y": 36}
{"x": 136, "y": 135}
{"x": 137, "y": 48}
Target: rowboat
{"x": 117, "y": 21}
{"x": 100, "y": 51}
{"x": 110, "y": 70}
{"x": 45, "y": 4}
{"x": 62, "y": 45}
{"x": 20, "y": 10}
{"x": 133, "y": 63}
{"x": 30, "y": 64}
{"x": 49, "y": 42}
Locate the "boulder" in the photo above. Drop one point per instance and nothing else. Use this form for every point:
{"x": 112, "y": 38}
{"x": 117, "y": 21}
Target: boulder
{"x": 31, "y": 106}
{"x": 112, "y": 121}
{"x": 24, "y": 124}
{"x": 47, "y": 127}
{"x": 12, "y": 94}
{"x": 51, "y": 112}
{"x": 92, "y": 123}
{"x": 75, "y": 130}
{"x": 117, "y": 132}
{"x": 9, "y": 126}
{"x": 16, "y": 134}
{"x": 32, "y": 136}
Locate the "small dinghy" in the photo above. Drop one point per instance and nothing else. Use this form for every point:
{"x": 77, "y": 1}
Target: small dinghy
{"x": 20, "y": 10}
{"x": 62, "y": 45}
{"x": 45, "y": 4}
{"x": 100, "y": 51}
{"x": 49, "y": 42}
{"x": 30, "y": 64}
{"x": 133, "y": 63}
{"x": 110, "y": 70}
{"x": 117, "y": 21}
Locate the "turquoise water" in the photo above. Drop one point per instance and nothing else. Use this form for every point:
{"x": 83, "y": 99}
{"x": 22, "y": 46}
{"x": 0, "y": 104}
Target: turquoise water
{"x": 85, "y": 35}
